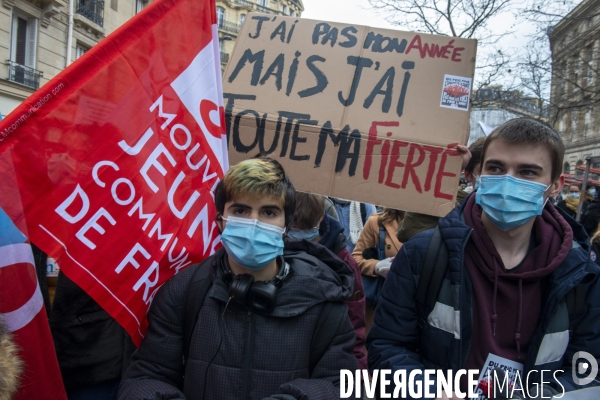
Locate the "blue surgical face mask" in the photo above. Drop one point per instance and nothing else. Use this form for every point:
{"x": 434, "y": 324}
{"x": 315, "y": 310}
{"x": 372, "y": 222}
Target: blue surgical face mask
{"x": 592, "y": 192}
{"x": 510, "y": 202}
{"x": 308, "y": 234}
{"x": 574, "y": 195}
{"x": 251, "y": 243}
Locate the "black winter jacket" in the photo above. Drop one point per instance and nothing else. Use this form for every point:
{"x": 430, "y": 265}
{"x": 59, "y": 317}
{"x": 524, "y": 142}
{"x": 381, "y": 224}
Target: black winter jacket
{"x": 91, "y": 346}
{"x": 395, "y": 341}
{"x": 239, "y": 354}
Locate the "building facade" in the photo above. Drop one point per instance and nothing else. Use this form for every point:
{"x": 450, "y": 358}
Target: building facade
{"x": 35, "y": 34}
{"x": 575, "y": 94}
{"x": 231, "y": 15}
{"x": 35, "y": 39}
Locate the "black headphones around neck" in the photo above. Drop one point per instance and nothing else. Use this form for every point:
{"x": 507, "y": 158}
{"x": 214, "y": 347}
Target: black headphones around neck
{"x": 257, "y": 296}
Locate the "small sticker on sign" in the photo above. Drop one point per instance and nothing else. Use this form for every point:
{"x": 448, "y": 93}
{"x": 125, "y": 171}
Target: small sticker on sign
{"x": 456, "y": 92}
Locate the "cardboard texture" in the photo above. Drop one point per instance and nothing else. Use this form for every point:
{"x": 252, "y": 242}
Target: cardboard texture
{"x": 366, "y": 114}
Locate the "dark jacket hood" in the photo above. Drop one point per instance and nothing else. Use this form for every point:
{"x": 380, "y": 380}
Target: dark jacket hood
{"x": 316, "y": 275}
{"x": 329, "y": 229}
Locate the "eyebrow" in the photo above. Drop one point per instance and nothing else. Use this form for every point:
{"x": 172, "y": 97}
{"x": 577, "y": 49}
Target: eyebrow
{"x": 265, "y": 207}
{"x": 520, "y": 166}
{"x": 271, "y": 207}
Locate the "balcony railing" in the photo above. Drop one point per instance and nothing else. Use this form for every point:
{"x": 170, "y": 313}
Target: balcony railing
{"x": 265, "y": 9}
{"x": 92, "y": 10}
{"x": 24, "y": 75}
{"x": 244, "y": 3}
{"x": 224, "y": 57}
{"x": 229, "y": 26}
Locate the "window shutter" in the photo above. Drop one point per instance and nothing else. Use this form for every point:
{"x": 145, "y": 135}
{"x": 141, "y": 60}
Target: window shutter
{"x": 79, "y": 51}
{"x": 31, "y": 42}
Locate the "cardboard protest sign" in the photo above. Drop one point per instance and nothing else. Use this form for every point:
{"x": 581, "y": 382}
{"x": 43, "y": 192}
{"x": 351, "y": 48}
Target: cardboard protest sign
{"x": 115, "y": 160}
{"x": 353, "y": 112}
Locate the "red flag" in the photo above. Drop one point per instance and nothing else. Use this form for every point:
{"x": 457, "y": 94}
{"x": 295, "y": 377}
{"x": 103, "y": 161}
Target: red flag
{"x": 116, "y": 158}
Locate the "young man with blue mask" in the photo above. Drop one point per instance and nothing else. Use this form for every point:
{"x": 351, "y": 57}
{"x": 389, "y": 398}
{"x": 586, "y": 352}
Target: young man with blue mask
{"x": 272, "y": 324}
{"x": 513, "y": 262}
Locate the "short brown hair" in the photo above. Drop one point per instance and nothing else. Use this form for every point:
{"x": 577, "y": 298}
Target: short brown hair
{"x": 528, "y": 130}
{"x": 256, "y": 178}
{"x": 476, "y": 149}
{"x": 390, "y": 214}
{"x": 309, "y": 210}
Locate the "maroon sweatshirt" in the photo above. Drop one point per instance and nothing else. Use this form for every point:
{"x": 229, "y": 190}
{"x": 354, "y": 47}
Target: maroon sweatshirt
{"x": 507, "y": 303}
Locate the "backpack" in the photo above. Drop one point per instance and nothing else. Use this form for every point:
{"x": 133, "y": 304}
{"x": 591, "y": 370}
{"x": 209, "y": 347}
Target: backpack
{"x": 434, "y": 270}
{"x": 200, "y": 283}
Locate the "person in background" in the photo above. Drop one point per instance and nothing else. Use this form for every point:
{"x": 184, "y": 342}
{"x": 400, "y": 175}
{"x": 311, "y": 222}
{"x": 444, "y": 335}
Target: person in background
{"x": 590, "y": 193}
{"x": 11, "y": 365}
{"x": 353, "y": 216}
{"x": 571, "y": 202}
{"x": 414, "y": 223}
{"x": 330, "y": 208}
{"x": 312, "y": 223}
{"x": 370, "y": 238}
{"x": 591, "y": 218}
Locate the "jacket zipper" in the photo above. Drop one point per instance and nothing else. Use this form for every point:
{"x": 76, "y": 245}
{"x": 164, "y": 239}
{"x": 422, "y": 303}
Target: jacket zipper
{"x": 460, "y": 302}
{"x": 247, "y": 356}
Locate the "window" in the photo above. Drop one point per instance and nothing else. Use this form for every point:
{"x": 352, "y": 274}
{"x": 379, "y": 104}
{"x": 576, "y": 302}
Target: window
{"x": 220, "y": 16}
{"x": 578, "y": 172}
{"x": 589, "y": 64}
{"x": 242, "y": 17}
{"x": 24, "y": 35}
{"x": 262, "y": 3}
{"x": 284, "y": 10}
{"x": 22, "y": 51}
{"x": 80, "y": 50}
{"x": 140, "y": 5}
{"x": 567, "y": 168}
{"x": 92, "y": 10}
{"x": 292, "y": 13}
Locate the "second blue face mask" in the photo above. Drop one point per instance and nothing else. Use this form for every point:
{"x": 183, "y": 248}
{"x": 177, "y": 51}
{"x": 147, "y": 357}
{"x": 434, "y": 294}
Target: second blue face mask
{"x": 308, "y": 234}
{"x": 510, "y": 202}
{"x": 251, "y": 243}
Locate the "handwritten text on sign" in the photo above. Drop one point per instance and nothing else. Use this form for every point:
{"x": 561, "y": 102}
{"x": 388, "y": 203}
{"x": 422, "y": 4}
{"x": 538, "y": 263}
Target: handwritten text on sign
{"x": 352, "y": 112}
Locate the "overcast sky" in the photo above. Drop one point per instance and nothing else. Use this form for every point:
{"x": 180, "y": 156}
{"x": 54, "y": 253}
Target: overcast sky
{"x": 347, "y": 11}
{"x": 359, "y": 12}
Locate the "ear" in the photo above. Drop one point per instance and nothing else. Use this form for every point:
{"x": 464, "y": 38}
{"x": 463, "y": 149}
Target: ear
{"x": 219, "y": 219}
{"x": 557, "y": 186}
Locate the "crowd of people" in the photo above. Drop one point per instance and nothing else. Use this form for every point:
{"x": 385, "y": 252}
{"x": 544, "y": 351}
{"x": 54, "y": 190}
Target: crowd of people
{"x": 305, "y": 286}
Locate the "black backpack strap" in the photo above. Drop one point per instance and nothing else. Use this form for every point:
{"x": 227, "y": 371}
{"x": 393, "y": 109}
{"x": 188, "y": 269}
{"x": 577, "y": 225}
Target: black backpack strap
{"x": 325, "y": 332}
{"x": 575, "y": 300}
{"x": 432, "y": 274}
{"x": 381, "y": 244}
{"x": 363, "y": 213}
{"x": 194, "y": 299}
